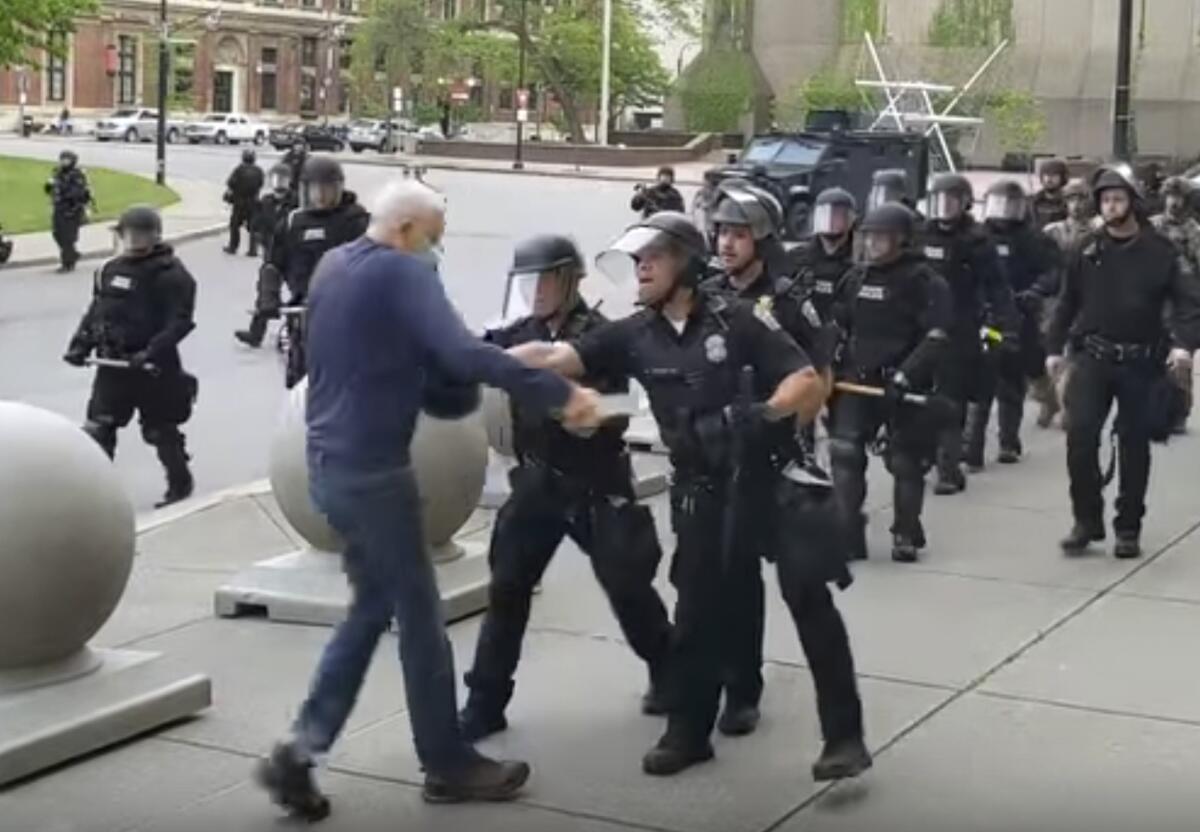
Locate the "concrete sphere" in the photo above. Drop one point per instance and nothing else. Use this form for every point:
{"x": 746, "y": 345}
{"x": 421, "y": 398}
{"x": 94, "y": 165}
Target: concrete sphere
{"x": 449, "y": 458}
{"x": 497, "y": 417}
{"x": 66, "y": 537}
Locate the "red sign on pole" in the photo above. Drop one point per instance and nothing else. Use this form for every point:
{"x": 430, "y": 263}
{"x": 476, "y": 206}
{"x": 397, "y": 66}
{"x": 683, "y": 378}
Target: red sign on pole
{"x": 522, "y": 99}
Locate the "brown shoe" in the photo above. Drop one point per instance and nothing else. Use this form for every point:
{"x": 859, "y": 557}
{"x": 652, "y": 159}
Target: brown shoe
{"x": 481, "y": 779}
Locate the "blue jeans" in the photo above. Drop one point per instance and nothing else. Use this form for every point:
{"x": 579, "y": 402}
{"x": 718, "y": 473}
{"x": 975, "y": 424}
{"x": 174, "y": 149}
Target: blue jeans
{"x": 378, "y": 514}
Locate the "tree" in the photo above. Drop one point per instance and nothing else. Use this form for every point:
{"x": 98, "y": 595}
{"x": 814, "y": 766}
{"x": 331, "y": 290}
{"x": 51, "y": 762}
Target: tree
{"x": 823, "y": 90}
{"x": 1019, "y": 120}
{"x": 26, "y": 27}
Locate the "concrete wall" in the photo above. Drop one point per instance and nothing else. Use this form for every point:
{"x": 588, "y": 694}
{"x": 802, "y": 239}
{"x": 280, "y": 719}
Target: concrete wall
{"x": 1063, "y": 51}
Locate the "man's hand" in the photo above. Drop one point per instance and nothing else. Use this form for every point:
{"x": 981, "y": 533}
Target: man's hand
{"x": 582, "y": 410}
{"x": 76, "y": 358}
{"x": 1054, "y": 366}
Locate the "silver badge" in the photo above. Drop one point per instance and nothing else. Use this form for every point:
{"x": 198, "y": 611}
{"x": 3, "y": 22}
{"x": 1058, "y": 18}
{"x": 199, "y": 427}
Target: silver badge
{"x": 314, "y": 234}
{"x": 121, "y": 282}
{"x": 810, "y": 314}
{"x": 934, "y": 253}
{"x": 1002, "y": 250}
{"x": 714, "y": 349}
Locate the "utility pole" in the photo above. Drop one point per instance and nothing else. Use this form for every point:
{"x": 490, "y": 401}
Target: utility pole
{"x": 605, "y": 73}
{"x": 518, "y": 157}
{"x": 164, "y": 59}
{"x": 1122, "y": 117}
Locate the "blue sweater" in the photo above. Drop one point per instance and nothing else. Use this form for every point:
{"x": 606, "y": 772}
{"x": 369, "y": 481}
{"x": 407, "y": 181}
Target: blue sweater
{"x": 378, "y": 321}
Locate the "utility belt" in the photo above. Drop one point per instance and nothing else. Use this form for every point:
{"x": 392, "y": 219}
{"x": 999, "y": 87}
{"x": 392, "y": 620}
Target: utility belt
{"x": 575, "y": 486}
{"x": 1115, "y": 352}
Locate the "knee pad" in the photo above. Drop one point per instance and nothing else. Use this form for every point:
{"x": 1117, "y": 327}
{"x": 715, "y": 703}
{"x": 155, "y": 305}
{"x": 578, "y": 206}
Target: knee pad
{"x": 161, "y": 435}
{"x": 103, "y": 433}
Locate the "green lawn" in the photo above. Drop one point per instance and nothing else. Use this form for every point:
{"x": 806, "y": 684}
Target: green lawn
{"x": 24, "y": 205}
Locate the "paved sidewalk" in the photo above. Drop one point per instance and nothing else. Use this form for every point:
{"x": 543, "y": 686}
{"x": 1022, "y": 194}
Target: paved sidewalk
{"x": 200, "y": 212}
{"x": 1007, "y": 688}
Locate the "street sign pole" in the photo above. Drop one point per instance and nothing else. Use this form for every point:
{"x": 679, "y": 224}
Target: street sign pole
{"x": 164, "y": 57}
{"x": 518, "y": 158}
{"x": 1121, "y": 114}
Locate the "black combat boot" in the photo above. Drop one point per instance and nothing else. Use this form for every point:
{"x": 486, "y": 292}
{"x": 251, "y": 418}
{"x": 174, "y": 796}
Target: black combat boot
{"x": 253, "y": 335}
{"x": 675, "y": 752}
{"x": 904, "y": 549}
{"x": 856, "y": 539}
{"x": 1081, "y": 536}
{"x": 480, "y": 779}
{"x": 1127, "y": 546}
{"x": 842, "y": 759}
{"x": 974, "y": 437}
{"x": 174, "y": 457}
{"x": 655, "y": 700}
{"x": 477, "y": 721}
{"x": 950, "y": 481}
{"x": 738, "y": 719}
{"x": 1009, "y": 454}
{"x": 287, "y": 777}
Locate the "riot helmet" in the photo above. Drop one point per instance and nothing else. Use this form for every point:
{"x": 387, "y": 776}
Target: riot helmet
{"x": 662, "y": 254}
{"x": 248, "y": 156}
{"x": 1054, "y": 175}
{"x": 544, "y": 277}
{"x": 889, "y": 185}
{"x": 1005, "y": 202}
{"x": 741, "y": 203}
{"x": 280, "y": 178}
{"x": 950, "y": 197}
{"x": 68, "y": 159}
{"x": 1079, "y": 200}
{"x": 886, "y": 232}
{"x": 1120, "y": 178}
{"x": 834, "y": 212}
{"x": 1177, "y": 195}
{"x": 321, "y": 183}
{"x": 140, "y": 229}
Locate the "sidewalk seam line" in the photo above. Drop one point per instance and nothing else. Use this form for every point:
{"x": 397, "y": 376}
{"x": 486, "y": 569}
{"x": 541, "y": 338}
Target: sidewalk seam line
{"x": 1089, "y": 709}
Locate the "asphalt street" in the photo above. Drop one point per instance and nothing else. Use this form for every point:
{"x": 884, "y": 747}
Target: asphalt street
{"x": 241, "y": 390}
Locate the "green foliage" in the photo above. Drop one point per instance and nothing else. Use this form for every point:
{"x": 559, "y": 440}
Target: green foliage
{"x": 858, "y": 17}
{"x": 824, "y": 90}
{"x": 971, "y": 23}
{"x": 25, "y": 27}
{"x": 716, "y": 91}
{"x": 1018, "y": 119}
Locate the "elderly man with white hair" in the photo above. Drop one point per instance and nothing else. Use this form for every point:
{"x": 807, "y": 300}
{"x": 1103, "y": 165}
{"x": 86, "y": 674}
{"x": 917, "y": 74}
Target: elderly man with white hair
{"x": 381, "y": 332}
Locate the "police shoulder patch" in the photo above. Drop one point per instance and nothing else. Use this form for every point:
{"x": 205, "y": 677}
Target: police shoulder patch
{"x": 810, "y": 313}
{"x": 764, "y": 311}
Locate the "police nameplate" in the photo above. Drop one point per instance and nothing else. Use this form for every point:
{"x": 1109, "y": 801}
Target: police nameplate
{"x": 122, "y": 282}
{"x": 314, "y": 234}
{"x": 1002, "y": 250}
{"x": 871, "y": 292}
{"x": 824, "y": 287}
{"x": 935, "y": 253}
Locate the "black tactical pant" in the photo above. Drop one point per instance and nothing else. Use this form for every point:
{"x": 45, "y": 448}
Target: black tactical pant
{"x": 162, "y": 403}
{"x": 242, "y": 214}
{"x": 65, "y": 229}
{"x": 857, "y": 421}
{"x": 617, "y": 534}
{"x": 268, "y": 299}
{"x": 1091, "y": 389}
{"x": 747, "y": 628}
{"x": 1004, "y": 383}
{"x": 701, "y": 572}
{"x": 960, "y": 385}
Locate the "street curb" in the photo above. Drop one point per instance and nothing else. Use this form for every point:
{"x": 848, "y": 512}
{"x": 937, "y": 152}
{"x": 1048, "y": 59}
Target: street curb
{"x": 419, "y": 162}
{"x": 95, "y": 253}
{"x": 157, "y": 518}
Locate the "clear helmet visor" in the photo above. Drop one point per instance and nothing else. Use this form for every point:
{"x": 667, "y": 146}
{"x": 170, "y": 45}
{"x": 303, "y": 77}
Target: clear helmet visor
{"x": 1002, "y": 207}
{"x": 882, "y": 195}
{"x": 519, "y": 296}
{"x": 880, "y": 245}
{"x": 619, "y": 262}
{"x": 831, "y": 220}
{"x": 321, "y": 195}
{"x": 279, "y": 180}
{"x": 945, "y": 206}
{"x": 137, "y": 239}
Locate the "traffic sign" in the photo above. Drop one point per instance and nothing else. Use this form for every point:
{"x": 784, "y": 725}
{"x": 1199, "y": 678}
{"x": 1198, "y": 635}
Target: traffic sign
{"x": 522, "y": 100}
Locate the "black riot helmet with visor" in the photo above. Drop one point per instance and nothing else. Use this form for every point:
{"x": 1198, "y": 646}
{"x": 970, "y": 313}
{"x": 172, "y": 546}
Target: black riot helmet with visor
{"x": 1005, "y": 203}
{"x": 742, "y": 203}
{"x": 950, "y": 197}
{"x": 321, "y": 184}
{"x": 280, "y": 178}
{"x": 545, "y": 257}
{"x": 834, "y": 213}
{"x": 887, "y": 232}
{"x": 68, "y": 159}
{"x": 139, "y": 229}
{"x": 249, "y": 157}
{"x": 890, "y": 185}
{"x": 667, "y": 232}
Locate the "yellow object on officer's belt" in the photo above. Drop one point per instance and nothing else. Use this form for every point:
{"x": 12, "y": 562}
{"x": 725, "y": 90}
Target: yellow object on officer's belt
{"x": 990, "y": 335}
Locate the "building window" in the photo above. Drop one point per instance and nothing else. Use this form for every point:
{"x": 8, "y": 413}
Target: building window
{"x": 449, "y": 9}
{"x": 308, "y": 93}
{"x": 345, "y": 50}
{"x": 268, "y": 91}
{"x": 270, "y": 57}
{"x": 56, "y": 68}
{"x": 308, "y": 52}
{"x": 348, "y": 6}
{"x": 126, "y": 69}
{"x": 308, "y": 4}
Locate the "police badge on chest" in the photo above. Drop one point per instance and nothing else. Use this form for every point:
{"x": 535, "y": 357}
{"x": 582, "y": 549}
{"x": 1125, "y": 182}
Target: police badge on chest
{"x": 715, "y": 349}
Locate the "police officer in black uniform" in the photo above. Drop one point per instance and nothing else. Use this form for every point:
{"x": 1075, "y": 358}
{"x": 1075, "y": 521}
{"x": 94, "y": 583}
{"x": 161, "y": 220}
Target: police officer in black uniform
{"x": 70, "y": 194}
{"x": 241, "y": 192}
{"x": 328, "y": 216}
{"x": 894, "y": 312}
{"x": 273, "y": 208}
{"x": 747, "y": 221}
{"x": 959, "y": 249}
{"x": 824, "y": 260}
{"x": 1030, "y": 261}
{"x": 142, "y": 307}
{"x": 1117, "y": 289}
{"x": 725, "y": 382}
{"x": 1049, "y": 204}
{"x": 563, "y": 485}
{"x": 891, "y": 185}
{"x": 295, "y": 159}
{"x": 661, "y": 196}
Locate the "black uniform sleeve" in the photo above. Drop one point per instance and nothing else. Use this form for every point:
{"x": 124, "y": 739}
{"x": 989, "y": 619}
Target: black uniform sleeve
{"x": 638, "y": 201}
{"x": 672, "y": 200}
{"x": 505, "y": 336}
{"x": 1047, "y": 261}
{"x": 606, "y": 349}
{"x": 177, "y": 294}
{"x": 798, "y": 315}
{"x": 1184, "y": 288}
{"x": 1001, "y": 309}
{"x": 84, "y": 339}
{"x": 1067, "y": 307}
{"x": 772, "y": 353}
{"x": 936, "y": 316}
{"x": 281, "y": 245}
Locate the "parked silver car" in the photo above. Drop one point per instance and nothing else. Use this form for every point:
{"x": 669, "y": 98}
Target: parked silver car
{"x": 373, "y": 133}
{"x": 135, "y": 124}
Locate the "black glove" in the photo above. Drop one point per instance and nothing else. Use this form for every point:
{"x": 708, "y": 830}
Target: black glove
{"x": 896, "y": 388}
{"x": 75, "y": 357}
{"x": 139, "y": 360}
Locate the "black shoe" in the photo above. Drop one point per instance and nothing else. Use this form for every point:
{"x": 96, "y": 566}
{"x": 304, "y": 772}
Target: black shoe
{"x": 482, "y": 779}
{"x": 919, "y": 538}
{"x": 1080, "y": 537}
{"x": 856, "y": 542}
{"x": 840, "y": 760}
{"x": 229, "y": 250}
{"x": 904, "y": 549}
{"x": 669, "y": 758}
{"x": 1009, "y": 456}
{"x": 476, "y": 723}
{"x": 1127, "y": 547}
{"x": 738, "y": 719}
{"x": 288, "y": 779}
{"x": 974, "y": 464}
{"x": 65, "y": 269}
{"x": 252, "y": 252}
{"x": 247, "y": 338}
{"x": 950, "y": 482}
{"x": 178, "y": 490}
{"x": 654, "y": 700}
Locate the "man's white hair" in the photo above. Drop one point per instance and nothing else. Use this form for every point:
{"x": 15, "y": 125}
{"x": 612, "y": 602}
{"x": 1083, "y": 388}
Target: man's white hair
{"x": 403, "y": 200}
